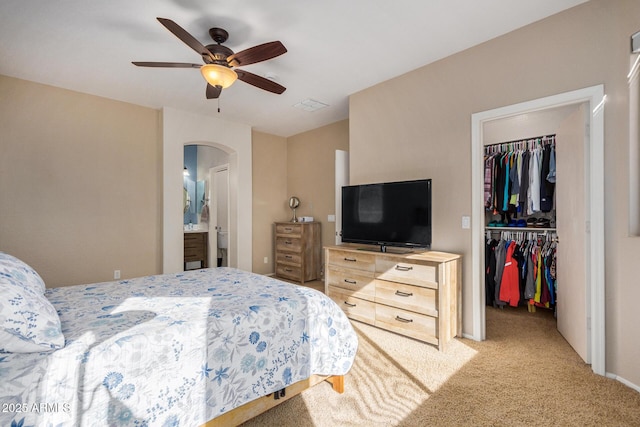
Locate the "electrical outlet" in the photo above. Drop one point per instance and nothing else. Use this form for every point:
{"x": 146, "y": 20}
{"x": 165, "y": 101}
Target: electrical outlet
{"x": 266, "y": 260}
{"x": 116, "y": 274}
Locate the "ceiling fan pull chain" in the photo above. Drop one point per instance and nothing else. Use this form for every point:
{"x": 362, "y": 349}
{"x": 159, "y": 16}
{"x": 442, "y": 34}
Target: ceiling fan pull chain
{"x": 218, "y": 105}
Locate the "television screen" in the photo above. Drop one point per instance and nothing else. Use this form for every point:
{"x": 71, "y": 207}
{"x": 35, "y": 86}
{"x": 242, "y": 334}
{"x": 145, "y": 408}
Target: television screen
{"x": 388, "y": 214}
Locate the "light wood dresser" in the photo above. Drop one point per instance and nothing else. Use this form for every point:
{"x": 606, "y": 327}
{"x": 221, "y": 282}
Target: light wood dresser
{"x": 298, "y": 251}
{"x": 416, "y": 294}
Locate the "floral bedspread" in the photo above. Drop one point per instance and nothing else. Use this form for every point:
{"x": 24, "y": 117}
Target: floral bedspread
{"x": 174, "y": 350}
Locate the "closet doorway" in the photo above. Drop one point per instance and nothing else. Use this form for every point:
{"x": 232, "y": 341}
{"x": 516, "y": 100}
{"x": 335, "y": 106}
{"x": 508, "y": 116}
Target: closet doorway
{"x": 580, "y": 219}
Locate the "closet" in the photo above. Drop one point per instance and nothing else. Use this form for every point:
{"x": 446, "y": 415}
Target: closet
{"x": 520, "y": 223}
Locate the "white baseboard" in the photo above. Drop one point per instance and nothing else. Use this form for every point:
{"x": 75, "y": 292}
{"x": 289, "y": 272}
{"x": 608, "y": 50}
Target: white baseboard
{"x": 623, "y": 381}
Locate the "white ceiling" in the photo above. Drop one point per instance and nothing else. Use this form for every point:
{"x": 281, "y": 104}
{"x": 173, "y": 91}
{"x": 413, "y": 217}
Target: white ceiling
{"x": 335, "y": 48}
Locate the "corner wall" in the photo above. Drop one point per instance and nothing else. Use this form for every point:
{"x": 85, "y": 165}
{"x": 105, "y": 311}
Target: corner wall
{"x": 269, "y": 196}
{"x": 418, "y": 125}
{"x": 311, "y": 173}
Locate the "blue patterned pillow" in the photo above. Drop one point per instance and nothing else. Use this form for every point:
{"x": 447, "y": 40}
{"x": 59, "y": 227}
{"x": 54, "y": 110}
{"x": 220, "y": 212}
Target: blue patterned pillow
{"x": 19, "y": 273}
{"x": 28, "y": 321}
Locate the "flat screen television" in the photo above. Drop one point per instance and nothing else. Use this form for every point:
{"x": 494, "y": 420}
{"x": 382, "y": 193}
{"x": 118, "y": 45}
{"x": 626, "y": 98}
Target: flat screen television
{"x": 388, "y": 214}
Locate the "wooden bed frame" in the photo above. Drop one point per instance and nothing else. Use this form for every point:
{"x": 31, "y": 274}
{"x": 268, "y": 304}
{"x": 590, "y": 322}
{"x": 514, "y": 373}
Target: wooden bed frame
{"x": 256, "y": 407}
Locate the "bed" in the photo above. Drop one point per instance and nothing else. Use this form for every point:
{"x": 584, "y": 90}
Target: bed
{"x": 183, "y": 349}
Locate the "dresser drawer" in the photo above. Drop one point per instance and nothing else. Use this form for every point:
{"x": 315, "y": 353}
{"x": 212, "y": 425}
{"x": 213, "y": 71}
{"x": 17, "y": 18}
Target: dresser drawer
{"x": 198, "y": 253}
{"x": 295, "y": 229}
{"x": 354, "y": 282}
{"x": 408, "y": 323}
{"x": 352, "y": 260}
{"x": 354, "y": 308}
{"x": 415, "y": 274}
{"x": 290, "y": 258}
{"x": 292, "y": 244}
{"x": 194, "y": 240}
{"x": 409, "y": 297}
{"x": 288, "y": 271}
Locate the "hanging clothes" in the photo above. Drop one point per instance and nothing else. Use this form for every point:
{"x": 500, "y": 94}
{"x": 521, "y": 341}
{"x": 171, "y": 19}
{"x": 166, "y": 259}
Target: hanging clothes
{"x": 510, "y": 285}
{"x": 521, "y": 270}
{"x": 519, "y": 177}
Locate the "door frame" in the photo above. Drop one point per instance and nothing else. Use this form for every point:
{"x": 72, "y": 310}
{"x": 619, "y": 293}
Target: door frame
{"x": 213, "y": 209}
{"x": 594, "y": 164}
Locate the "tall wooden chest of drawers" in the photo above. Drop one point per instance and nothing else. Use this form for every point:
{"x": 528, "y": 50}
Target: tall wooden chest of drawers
{"x": 417, "y": 294}
{"x": 298, "y": 251}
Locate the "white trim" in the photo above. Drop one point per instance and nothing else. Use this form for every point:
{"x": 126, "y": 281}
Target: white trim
{"x": 595, "y": 276}
{"x": 623, "y": 381}
{"x": 180, "y": 128}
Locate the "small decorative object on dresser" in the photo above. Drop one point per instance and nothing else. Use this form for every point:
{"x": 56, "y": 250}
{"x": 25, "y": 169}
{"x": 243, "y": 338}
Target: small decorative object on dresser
{"x": 298, "y": 251}
{"x": 294, "y": 202}
{"x": 417, "y": 294}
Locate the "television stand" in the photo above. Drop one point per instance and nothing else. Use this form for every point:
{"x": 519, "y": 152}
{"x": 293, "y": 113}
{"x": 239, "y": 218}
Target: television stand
{"x": 418, "y": 294}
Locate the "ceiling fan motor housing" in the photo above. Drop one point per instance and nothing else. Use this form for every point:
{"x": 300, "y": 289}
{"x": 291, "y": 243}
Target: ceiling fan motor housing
{"x": 219, "y": 52}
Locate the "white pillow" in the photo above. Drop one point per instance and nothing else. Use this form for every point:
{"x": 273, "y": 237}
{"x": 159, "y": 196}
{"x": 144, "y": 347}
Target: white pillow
{"x": 19, "y": 273}
{"x": 28, "y": 321}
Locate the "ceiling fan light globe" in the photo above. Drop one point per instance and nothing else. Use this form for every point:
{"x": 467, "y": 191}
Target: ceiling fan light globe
{"x": 218, "y": 75}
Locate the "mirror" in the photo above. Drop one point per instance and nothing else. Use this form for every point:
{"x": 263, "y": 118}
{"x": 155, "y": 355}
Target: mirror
{"x": 198, "y": 160}
{"x": 294, "y": 202}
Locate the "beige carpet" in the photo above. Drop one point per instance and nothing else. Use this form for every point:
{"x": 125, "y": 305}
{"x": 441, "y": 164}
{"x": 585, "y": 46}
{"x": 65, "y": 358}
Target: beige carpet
{"x": 524, "y": 374}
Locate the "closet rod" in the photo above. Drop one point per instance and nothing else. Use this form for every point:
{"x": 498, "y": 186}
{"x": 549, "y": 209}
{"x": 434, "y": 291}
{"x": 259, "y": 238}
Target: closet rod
{"x": 521, "y": 140}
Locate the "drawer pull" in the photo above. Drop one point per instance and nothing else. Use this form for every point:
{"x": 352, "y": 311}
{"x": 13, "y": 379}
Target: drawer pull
{"x": 288, "y": 229}
{"x": 287, "y": 242}
{"x": 349, "y": 304}
{"x": 400, "y": 319}
{"x": 351, "y": 282}
{"x": 404, "y": 294}
{"x": 288, "y": 270}
{"x": 350, "y": 259}
{"x": 402, "y": 268}
{"x": 288, "y": 256}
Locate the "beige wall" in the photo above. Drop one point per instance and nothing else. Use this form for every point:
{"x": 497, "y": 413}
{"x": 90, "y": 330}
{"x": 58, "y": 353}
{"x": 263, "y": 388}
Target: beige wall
{"x": 418, "y": 125}
{"x": 79, "y": 184}
{"x": 269, "y": 196}
{"x": 302, "y": 165}
{"x": 311, "y": 172}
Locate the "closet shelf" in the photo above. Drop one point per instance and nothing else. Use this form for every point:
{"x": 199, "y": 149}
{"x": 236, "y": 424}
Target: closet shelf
{"x": 521, "y": 229}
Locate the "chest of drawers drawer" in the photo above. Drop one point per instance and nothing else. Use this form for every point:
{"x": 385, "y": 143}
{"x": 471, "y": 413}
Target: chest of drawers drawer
{"x": 290, "y": 258}
{"x": 354, "y": 282}
{"x": 290, "y": 272}
{"x": 409, "y": 297}
{"x": 352, "y": 260}
{"x": 404, "y": 272}
{"x": 292, "y": 244}
{"x": 407, "y": 322}
{"x": 289, "y": 229}
{"x": 355, "y": 308}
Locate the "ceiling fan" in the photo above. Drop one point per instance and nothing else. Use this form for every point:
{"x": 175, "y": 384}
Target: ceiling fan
{"x": 219, "y": 61}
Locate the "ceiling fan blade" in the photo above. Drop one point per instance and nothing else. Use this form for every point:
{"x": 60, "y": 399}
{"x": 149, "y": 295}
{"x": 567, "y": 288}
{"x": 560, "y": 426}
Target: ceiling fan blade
{"x": 258, "y": 53}
{"x": 260, "y": 82}
{"x": 213, "y": 92}
{"x": 187, "y": 38}
{"x": 166, "y": 64}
